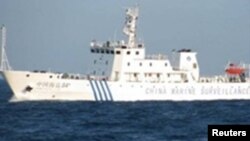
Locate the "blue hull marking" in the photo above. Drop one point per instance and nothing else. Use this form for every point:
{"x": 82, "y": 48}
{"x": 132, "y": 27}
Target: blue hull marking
{"x": 104, "y": 92}
{"x": 109, "y": 92}
{"x": 92, "y": 86}
{"x": 99, "y": 92}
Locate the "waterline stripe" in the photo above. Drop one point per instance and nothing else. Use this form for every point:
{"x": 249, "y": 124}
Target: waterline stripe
{"x": 99, "y": 92}
{"x": 93, "y": 90}
{"x": 109, "y": 92}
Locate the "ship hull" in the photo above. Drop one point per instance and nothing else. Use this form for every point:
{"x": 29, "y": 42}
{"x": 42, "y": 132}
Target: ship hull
{"x": 30, "y": 86}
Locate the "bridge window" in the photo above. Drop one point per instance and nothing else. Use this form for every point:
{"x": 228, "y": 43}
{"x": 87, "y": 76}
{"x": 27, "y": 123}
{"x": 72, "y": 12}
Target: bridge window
{"x": 107, "y": 51}
{"x": 92, "y": 50}
{"x": 97, "y": 51}
{"x": 137, "y": 52}
{"x": 102, "y": 51}
{"x": 65, "y": 75}
{"x": 128, "y": 52}
{"x": 112, "y": 52}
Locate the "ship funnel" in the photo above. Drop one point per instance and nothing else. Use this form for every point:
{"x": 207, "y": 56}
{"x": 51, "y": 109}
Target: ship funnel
{"x": 185, "y": 60}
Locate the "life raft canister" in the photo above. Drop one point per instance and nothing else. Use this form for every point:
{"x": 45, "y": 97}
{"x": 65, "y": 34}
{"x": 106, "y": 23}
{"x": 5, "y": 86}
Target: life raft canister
{"x": 233, "y": 69}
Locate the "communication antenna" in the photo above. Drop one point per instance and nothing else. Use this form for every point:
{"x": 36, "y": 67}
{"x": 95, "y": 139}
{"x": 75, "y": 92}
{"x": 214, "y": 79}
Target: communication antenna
{"x": 115, "y": 36}
{"x": 4, "y": 63}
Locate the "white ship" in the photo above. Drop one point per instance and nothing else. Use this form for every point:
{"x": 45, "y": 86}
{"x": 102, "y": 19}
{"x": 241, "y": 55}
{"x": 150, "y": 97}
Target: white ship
{"x": 121, "y": 71}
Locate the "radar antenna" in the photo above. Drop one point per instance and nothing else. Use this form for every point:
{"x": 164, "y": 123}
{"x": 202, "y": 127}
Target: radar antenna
{"x": 130, "y": 25}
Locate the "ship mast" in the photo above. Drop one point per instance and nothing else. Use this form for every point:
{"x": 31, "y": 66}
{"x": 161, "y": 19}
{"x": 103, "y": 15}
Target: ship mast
{"x": 130, "y": 26}
{"x": 4, "y": 60}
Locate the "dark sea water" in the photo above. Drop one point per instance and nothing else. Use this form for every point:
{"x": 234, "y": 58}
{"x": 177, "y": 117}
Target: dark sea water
{"x": 130, "y": 121}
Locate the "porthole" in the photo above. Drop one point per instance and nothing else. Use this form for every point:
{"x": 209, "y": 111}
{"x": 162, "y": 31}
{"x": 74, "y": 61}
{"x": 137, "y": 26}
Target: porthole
{"x": 150, "y": 64}
{"x": 194, "y": 65}
{"x": 118, "y": 52}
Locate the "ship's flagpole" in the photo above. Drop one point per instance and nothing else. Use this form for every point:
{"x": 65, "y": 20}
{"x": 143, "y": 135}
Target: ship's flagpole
{"x": 4, "y": 60}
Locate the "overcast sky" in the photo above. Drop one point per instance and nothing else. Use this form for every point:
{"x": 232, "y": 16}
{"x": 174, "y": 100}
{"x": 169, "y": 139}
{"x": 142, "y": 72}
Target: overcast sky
{"x": 55, "y": 34}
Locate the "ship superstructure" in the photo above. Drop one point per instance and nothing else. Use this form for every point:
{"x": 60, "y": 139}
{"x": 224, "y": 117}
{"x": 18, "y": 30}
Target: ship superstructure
{"x": 128, "y": 62}
{"x": 122, "y": 71}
